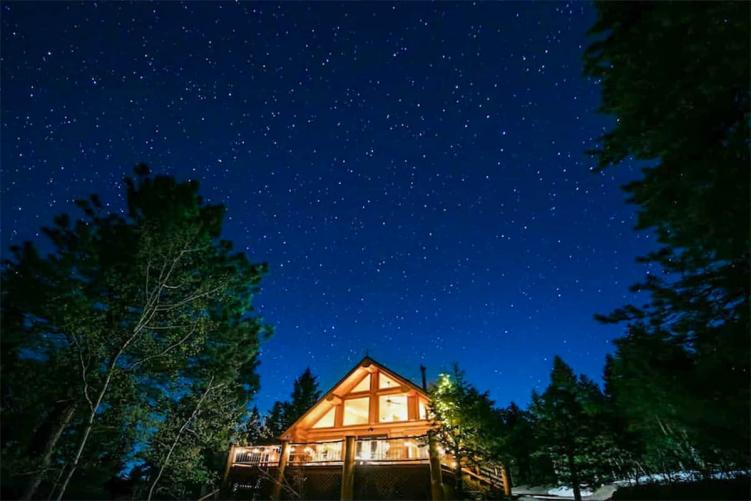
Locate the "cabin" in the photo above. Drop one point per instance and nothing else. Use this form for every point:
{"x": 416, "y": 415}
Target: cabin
{"x": 366, "y": 438}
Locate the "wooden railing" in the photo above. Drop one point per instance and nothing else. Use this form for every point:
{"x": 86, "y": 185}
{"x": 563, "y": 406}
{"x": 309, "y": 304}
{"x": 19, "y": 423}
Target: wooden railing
{"x": 316, "y": 453}
{"x": 395, "y": 449}
{"x": 330, "y": 452}
{"x": 266, "y": 455}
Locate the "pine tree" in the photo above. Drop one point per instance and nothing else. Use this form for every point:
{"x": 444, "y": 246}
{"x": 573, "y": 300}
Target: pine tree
{"x": 253, "y": 431}
{"x": 305, "y": 393}
{"x": 275, "y": 422}
{"x": 676, "y": 78}
{"x": 566, "y": 419}
{"x": 520, "y": 444}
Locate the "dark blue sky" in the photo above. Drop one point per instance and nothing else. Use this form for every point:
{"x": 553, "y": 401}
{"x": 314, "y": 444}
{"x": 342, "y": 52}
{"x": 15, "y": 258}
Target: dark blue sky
{"x": 414, "y": 174}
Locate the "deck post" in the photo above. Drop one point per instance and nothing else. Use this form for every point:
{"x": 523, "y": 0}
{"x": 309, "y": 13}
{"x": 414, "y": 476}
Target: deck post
{"x": 506, "y": 479}
{"x": 230, "y": 462}
{"x": 348, "y": 469}
{"x": 436, "y": 480}
{"x": 283, "y": 456}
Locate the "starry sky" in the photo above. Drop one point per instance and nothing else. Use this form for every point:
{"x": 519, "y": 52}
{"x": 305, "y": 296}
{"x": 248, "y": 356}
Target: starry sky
{"x": 414, "y": 174}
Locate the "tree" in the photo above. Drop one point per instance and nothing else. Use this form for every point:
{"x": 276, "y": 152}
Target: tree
{"x": 121, "y": 307}
{"x": 275, "y": 421}
{"x": 253, "y": 432}
{"x": 187, "y": 452}
{"x": 676, "y": 77}
{"x": 467, "y": 424}
{"x": 305, "y": 393}
{"x": 520, "y": 444}
{"x": 567, "y": 422}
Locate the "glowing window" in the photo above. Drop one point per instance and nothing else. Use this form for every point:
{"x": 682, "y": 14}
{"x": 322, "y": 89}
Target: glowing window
{"x": 327, "y": 420}
{"x": 392, "y": 408}
{"x": 423, "y": 410}
{"x": 386, "y": 382}
{"x": 356, "y": 411}
{"x": 363, "y": 385}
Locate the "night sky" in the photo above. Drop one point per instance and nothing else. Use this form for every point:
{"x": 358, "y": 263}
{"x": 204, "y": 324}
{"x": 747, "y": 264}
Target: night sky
{"x": 415, "y": 174}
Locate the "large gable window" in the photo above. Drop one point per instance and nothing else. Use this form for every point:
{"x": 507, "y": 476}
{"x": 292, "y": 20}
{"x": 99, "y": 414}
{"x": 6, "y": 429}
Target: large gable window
{"x": 385, "y": 382}
{"x": 356, "y": 411}
{"x": 363, "y": 385}
{"x": 327, "y": 420}
{"x": 392, "y": 408}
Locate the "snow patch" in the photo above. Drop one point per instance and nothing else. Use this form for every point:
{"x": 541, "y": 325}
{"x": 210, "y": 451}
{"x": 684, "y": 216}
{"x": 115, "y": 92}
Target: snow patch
{"x": 680, "y": 476}
{"x": 568, "y": 492}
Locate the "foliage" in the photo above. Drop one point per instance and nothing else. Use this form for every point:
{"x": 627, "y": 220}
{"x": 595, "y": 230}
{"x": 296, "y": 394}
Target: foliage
{"x": 468, "y": 425}
{"x": 124, "y": 311}
{"x": 569, "y": 421}
{"x": 305, "y": 393}
{"x": 520, "y": 443}
{"x": 676, "y": 77}
{"x": 253, "y": 430}
{"x": 191, "y": 444}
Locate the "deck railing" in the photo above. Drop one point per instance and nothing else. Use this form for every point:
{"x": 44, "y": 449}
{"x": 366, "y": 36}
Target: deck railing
{"x": 264, "y": 455}
{"x": 379, "y": 449}
{"x": 395, "y": 449}
{"x": 316, "y": 452}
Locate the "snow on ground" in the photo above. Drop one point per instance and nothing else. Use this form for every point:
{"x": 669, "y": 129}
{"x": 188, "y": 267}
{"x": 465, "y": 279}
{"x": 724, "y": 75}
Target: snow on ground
{"x": 606, "y": 491}
{"x": 568, "y": 492}
{"x": 680, "y": 476}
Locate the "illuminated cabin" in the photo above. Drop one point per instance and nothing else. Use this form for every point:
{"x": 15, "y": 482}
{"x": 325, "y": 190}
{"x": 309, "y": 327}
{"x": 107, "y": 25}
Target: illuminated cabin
{"x": 366, "y": 438}
{"x": 370, "y": 401}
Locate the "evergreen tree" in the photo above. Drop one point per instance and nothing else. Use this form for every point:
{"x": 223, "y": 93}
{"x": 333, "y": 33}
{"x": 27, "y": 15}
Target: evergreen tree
{"x": 676, "y": 77}
{"x": 567, "y": 422}
{"x": 253, "y": 432}
{"x": 520, "y": 444}
{"x": 305, "y": 393}
{"x": 275, "y": 421}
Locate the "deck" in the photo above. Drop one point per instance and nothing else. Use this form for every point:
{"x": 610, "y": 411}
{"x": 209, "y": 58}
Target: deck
{"x": 395, "y": 467}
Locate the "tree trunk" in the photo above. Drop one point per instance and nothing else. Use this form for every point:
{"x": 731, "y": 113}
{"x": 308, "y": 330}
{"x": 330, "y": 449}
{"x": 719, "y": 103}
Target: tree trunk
{"x": 90, "y": 424}
{"x": 574, "y": 478}
{"x": 49, "y": 448}
{"x": 458, "y": 480}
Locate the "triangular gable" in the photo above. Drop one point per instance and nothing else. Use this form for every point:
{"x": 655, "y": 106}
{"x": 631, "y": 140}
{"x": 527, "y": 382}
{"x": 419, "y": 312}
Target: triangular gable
{"x": 350, "y": 383}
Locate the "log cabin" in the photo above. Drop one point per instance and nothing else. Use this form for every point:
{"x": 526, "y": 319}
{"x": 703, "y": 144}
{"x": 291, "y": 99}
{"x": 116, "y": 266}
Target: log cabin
{"x": 367, "y": 437}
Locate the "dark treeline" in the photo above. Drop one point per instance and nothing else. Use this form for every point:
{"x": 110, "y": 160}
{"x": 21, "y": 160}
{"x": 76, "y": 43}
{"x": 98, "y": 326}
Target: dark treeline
{"x": 676, "y": 390}
{"x": 267, "y": 429}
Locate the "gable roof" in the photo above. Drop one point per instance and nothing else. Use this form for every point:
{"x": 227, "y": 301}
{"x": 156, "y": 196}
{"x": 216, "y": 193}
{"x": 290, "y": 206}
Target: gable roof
{"x": 365, "y": 362}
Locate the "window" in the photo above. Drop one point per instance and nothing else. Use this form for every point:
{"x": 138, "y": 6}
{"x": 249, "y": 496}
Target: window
{"x": 423, "y": 410}
{"x": 356, "y": 411}
{"x": 392, "y": 408}
{"x": 386, "y": 382}
{"x": 363, "y": 385}
{"x": 327, "y": 420}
